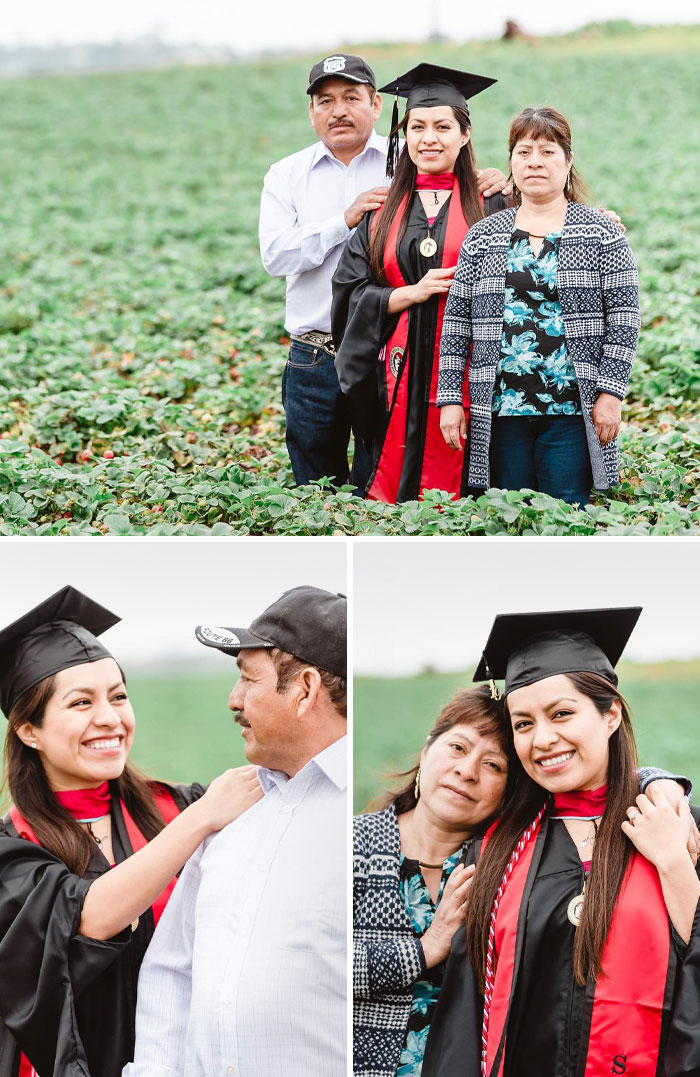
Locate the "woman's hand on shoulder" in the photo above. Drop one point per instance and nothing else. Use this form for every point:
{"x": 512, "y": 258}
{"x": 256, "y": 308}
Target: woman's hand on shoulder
{"x": 492, "y": 181}
{"x": 449, "y": 915}
{"x": 453, "y": 424}
{"x": 229, "y": 795}
{"x": 657, "y": 830}
{"x": 614, "y": 217}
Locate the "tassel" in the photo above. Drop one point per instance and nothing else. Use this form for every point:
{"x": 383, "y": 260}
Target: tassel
{"x": 393, "y": 146}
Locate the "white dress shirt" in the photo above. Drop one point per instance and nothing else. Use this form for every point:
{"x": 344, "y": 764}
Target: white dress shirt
{"x": 302, "y": 223}
{"x": 246, "y": 973}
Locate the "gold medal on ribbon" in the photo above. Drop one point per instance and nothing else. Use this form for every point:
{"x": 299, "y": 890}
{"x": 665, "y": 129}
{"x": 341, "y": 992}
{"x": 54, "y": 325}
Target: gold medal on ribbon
{"x": 428, "y": 247}
{"x": 574, "y": 909}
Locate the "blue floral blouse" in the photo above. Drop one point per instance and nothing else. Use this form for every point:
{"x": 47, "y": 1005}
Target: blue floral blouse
{"x": 420, "y": 909}
{"x": 534, "y": 375}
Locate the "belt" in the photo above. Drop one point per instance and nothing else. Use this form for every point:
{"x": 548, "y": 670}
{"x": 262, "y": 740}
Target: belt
{"x": 317, "y": 338}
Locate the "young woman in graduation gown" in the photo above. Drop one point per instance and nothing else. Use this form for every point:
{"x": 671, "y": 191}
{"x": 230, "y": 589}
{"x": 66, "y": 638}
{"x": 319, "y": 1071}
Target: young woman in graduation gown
{"x": 582, "y": 927}
{"x": 390, "y": 287}
{"x": 87, "y": 862}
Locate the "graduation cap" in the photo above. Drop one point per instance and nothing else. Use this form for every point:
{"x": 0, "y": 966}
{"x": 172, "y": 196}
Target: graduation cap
{"x": 428, "y": 86}
{"x": 58, "y": 633}
{"x": 526, "y": 647}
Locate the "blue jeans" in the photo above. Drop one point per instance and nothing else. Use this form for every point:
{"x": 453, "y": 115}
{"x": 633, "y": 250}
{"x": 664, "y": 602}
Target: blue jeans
{"x": 318, "y": 419}
{"x": 548, "y": 453}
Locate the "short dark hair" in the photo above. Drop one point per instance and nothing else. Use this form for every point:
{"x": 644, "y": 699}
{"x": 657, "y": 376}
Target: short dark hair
{"x": 287, "y": 666}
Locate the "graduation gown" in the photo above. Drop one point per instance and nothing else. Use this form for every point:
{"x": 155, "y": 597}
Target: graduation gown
{"x": 387, "y": 363}
{"x": 69, "y": 1002}
{"x": 550, "y": 1016}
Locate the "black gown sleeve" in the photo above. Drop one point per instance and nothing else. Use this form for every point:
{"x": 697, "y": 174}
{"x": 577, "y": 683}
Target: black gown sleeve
{"x": 360, "y": 326}
{"x": 682, "y": 1055}
{"x": 44, "y": 962}
{"x": 184, "y": 795}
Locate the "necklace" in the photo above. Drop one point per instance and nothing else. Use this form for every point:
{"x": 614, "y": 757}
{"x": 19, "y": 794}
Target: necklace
{"x": 432, "y": 184}
{"x": 432, "y": 866}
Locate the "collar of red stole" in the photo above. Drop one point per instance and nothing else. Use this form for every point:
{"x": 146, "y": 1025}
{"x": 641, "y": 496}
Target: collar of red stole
{"x": 441, "y": 181}
{"x": 85, "y": 805}
{"x": 580, "y": 803}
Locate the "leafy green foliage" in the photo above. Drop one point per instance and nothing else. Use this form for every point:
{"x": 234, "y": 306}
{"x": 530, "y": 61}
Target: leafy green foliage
{"x": 136, "y": 318}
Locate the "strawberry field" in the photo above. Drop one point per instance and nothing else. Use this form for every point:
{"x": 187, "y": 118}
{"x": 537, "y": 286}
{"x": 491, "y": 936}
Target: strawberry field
{"x": 142, "y": 344}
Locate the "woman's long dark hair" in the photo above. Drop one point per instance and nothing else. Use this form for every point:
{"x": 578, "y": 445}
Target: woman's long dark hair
{"x": 405, "y": 184}
{"x": 25, "y": 779}
{"x": 468, "y": 706}
{"x": 611, "y": 852}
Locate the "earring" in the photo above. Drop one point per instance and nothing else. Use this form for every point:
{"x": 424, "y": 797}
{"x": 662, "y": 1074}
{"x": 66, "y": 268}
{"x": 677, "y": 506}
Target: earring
{"x": 416, "y": 784}
{"x": 33, "y": 744}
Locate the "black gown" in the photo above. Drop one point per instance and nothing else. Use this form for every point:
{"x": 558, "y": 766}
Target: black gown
{"x": 550, "y": 1012}
{"x": 361, "y": 328}
{"x": 69, "y": 1001}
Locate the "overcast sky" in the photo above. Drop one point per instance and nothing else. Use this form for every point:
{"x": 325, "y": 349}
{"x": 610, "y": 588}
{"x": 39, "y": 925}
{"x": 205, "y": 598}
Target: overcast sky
{"x": 432, "y": 603}
{"x": 163, "y": 589}
{"x": 306, "y": 24}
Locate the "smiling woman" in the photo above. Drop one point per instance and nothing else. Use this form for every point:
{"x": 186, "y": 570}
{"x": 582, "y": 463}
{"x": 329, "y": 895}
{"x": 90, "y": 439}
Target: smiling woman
{"x": 87, "y": 860}
{"x": 555, "y": 981}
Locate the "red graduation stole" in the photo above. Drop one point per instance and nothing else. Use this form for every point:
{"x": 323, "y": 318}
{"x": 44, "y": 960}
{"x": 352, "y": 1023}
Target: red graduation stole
{"x": 442, "y": 466}
{"x": 628, "y": 1002}
{"x": 167, "y": 808}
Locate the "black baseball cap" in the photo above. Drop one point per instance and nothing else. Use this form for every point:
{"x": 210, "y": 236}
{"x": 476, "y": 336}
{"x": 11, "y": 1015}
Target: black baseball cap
{"x": 341, "y": 66}
{"x": 527, "y": 647}
{"x": 60, "y": 632}
{"x": 306, "y": 621}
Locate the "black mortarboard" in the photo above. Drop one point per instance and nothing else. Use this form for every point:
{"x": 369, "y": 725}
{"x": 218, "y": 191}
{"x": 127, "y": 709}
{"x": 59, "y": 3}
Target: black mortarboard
{"x": 58, "y": 633}
{"x": 428, "y": 86}
{"x": 527, "y": 647}
{"x": 306, "y": 622}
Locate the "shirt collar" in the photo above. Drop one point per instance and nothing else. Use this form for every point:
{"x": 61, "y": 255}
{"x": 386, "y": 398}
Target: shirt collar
{"x": 374, "y": 144}
{"x": 332, "y": 761}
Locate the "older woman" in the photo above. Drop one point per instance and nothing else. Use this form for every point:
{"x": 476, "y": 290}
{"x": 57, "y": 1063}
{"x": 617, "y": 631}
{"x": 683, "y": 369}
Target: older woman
{"x": 409, "y": 889}
{"x": 582, "y": 926}
{"x": 392, "y": 280}
{"x": 87, "y": 862}
{"x": 545, "y": 298}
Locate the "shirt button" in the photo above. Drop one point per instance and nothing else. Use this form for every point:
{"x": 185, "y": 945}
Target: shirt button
{"x": 230, "y": 1069}
{"x": 288, "y": 808}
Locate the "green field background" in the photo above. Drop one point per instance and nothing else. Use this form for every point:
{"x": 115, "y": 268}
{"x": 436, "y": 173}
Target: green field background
{"x": 394, "y": 715}
{"x": 136, "y": 317}
{"x": 184, "y": 729}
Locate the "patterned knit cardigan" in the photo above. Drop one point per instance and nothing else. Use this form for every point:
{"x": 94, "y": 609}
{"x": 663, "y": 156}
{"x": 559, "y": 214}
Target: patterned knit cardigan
{"x": 388, "y": 957}
{"x": 598, "y": 292}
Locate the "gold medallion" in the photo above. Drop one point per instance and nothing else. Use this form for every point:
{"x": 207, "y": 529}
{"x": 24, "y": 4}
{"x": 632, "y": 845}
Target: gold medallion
{"x": 574, "y": 909}
{"x": 428, "y": 247}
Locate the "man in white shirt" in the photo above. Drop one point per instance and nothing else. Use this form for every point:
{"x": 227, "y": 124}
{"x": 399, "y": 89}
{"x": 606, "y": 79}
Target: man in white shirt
{"x": 311, "y": 202}
{"x": 246, "y": 973}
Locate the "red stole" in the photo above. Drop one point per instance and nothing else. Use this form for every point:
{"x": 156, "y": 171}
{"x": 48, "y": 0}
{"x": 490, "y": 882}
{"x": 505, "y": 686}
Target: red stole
{"x": 165, "y": 805}
{"x": 628, "y": 1002}
{"x": 167, "y": 808}
{"x": 441, "y": 466}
